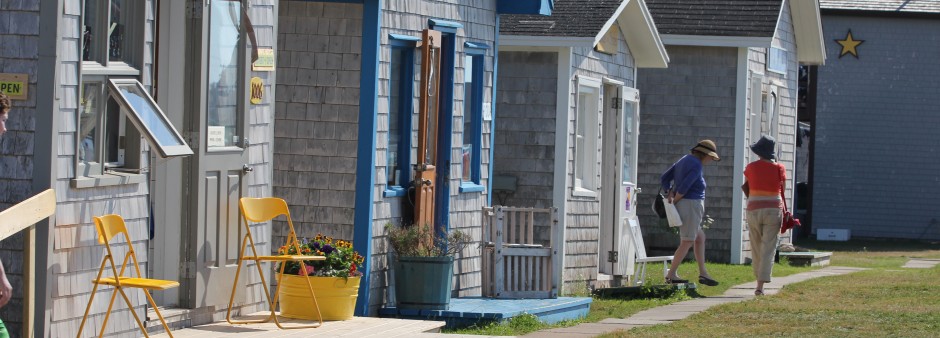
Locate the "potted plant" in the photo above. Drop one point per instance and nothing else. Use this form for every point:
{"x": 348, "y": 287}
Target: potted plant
{"x": 424, "y": 265}
{"x": 335, "y": 280}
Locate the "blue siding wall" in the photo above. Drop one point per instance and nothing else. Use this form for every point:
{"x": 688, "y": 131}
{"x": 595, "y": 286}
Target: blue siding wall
{"x": 877, "y": 151}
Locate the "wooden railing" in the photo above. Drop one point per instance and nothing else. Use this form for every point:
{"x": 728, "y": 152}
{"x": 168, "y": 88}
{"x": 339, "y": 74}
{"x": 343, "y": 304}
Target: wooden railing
{"x": 18, "y": 218}
{"x": 516, "y": 264}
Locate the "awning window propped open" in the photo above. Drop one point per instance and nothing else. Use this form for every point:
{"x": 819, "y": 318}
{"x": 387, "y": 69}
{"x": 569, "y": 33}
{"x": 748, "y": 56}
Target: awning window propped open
{"x": 143, "y": 112}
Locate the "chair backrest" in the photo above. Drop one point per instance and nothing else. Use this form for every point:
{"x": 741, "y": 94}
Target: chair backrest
{"x": 263, "y": 209}
{"x": 109, "y": 226}
{"x": 637, "y": 236}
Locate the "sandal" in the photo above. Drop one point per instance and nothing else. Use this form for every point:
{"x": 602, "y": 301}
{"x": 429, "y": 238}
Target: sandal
{"x": 676, "y": 280}
{"x": 707, "y": 281}
{"x": 758, "y": 292}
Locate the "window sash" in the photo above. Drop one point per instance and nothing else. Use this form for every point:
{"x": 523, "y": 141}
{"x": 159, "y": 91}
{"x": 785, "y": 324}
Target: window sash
{"x": 401, "y": 98}
{"x": 473, "y": 116}
{"x": 588, "y": 109}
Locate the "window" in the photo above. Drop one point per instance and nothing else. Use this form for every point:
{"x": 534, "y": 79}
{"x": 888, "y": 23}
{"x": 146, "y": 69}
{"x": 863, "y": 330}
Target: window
{"x": 148, "y": 118}
{"x": 109, "y": 41}
{"x": 769, "y": 117}
{"x": 586, "y": 137}
{"x": 472, "y": 120}
{"x": 112, "y": 101}
{"x": 777, "y": 61}
{"x": 400, "y": 107}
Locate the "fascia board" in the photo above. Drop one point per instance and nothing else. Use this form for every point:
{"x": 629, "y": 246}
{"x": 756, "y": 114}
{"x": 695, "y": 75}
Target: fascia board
{"x": 717, "y": 41}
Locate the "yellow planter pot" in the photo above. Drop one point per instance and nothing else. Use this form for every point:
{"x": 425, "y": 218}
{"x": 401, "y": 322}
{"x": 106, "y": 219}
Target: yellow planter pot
{"x": 335, "y": 295}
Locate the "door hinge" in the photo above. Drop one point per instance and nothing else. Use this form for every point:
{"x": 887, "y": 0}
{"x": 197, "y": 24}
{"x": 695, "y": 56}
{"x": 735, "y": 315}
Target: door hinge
{"x": 188, "y": 270}
{"x": 613, "y": 256}
{"x": 615, "y": 103}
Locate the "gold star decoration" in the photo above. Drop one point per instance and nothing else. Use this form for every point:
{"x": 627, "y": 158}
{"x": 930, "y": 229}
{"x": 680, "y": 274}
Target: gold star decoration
{"x": 849, "y": 45}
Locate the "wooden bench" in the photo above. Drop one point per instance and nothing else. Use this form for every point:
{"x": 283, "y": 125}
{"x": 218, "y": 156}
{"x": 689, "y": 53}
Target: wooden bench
{"x": 515, "y": 263}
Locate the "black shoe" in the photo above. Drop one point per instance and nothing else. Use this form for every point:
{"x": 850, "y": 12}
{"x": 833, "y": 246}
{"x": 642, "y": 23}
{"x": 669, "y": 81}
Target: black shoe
{"x": 676, "y": 281}
{"x": 707, "y": 281}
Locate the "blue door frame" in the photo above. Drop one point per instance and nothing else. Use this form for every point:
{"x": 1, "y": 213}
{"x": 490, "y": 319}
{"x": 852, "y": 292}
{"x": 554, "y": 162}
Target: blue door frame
{"x": 445, "y": 120}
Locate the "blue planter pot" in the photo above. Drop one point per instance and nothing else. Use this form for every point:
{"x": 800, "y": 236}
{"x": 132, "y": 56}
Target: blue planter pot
{"x": 424, "y": 282}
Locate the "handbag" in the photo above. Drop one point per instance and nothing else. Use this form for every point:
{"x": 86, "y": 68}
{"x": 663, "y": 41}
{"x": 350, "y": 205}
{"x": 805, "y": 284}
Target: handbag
{"x": 788, "y": 221}
{"x": 659, "y": 205}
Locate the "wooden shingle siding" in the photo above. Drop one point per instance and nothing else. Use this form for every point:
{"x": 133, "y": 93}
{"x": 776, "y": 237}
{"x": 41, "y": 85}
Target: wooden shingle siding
{"x": 583, "y": 213}
{"x": 691, "y": 100}
{"x": 316, "y": 117}
{"x": 76, "y": 254}
{"x": 260, "y": 119}
{"x": 876, "y": 141}
{"x": 20, "y": 28}
{"x": 525, "y": 139}
{"x": 410, "y": 17}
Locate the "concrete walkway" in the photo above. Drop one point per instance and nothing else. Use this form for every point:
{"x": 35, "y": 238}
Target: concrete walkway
{"x": 921, "y": 263}
{"x": 681, "y": 310}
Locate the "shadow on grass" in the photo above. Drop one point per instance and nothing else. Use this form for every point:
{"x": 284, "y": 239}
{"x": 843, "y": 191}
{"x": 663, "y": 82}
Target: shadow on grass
{"x": 868, "y": 245}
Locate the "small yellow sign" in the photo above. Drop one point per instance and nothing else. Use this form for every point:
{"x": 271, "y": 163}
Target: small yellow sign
{"x": 16, "y": 86}
{"x": 265, "y": 61}
{"x": 257, "y": 90}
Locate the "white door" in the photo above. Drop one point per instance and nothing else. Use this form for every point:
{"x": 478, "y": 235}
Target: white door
{"x": 618, "y": 189}
{"x": 626, "y": 178}
{"x": 217, "y": 124}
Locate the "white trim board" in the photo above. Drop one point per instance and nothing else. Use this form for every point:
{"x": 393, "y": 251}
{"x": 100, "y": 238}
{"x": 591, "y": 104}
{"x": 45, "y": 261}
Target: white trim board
{"x": 545, "y": 41}
{"x": 740, "y": 156}
{"x": 716, "y": 41}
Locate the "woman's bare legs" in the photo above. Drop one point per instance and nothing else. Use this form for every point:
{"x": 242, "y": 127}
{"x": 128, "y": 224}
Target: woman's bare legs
{"x": 677, "y": 258}
{"x": 699, "y": 251}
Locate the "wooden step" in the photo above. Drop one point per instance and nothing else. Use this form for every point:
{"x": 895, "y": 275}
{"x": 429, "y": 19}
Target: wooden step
{"x": 814, "y": 258}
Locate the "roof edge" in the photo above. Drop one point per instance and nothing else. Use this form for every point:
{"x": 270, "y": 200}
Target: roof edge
{"x": 638, "y": 28}
{"x": 807, "y": 29}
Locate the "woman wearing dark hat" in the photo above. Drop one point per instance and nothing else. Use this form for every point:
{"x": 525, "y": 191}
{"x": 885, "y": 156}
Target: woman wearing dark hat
{"x": 688, "y": 195}
{"x": 764, "y": 179}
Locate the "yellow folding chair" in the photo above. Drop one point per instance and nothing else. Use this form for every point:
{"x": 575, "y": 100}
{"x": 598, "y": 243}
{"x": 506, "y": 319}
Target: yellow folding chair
{"x": 109, "y": 226}
{"x": 263, "y": 210}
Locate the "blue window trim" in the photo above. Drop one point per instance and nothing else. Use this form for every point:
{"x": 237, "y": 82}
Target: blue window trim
{"x": 445, "y": 121}
{"x": 471, "y": 187}
{"x": 493, "y": 119}
{"x": 476, "y": 126}
{"x": 365, "y": 149}
{"x": 444, "y": 26}
{"x": 405, "y": 106}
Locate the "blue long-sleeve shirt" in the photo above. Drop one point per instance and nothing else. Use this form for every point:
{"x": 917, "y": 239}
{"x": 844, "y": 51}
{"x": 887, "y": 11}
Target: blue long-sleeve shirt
{"x": 688, "y": 178}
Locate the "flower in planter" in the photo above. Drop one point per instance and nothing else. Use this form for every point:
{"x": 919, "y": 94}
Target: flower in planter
{"x": 341, "y": 260}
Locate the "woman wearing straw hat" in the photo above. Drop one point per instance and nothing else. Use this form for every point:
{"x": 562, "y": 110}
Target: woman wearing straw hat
{"x": 764, "y": 180}
{"x": 685, "y": 183}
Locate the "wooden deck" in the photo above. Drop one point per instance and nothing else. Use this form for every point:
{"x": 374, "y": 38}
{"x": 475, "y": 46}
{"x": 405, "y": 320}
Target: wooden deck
{"x": 359, "y": 327}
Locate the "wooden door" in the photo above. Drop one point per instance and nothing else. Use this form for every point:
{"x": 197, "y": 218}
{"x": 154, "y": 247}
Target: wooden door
{"x": 427, "y": 127}
{"x": 217, "y": 173}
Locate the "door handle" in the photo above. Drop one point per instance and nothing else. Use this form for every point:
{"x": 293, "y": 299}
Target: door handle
{"x": 247, "y": 169}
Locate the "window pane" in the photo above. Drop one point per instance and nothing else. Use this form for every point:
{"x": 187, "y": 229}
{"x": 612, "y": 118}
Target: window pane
{"x": 148, "y": 114}
{"x": 394, "y": 117}
{"x": 585, "y": 143}
{"x": 91, "y": 29}
{"x": 224, "y": 34}
{"x": 113, "y": 151}
{"x": 468, "y": 100}
{"x": 88, "y": 114}
{"x": 117, "y": 29}
{"x": 628, "y": 146}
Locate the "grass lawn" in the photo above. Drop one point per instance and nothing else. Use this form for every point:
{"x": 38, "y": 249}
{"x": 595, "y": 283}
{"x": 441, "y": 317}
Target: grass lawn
{"x": 882, "y": 302}
{"x": 728, "y": 275}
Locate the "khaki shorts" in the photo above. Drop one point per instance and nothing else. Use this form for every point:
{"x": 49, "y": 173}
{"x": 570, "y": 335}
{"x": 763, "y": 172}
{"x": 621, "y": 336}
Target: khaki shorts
{"x": 691, "y": 213}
